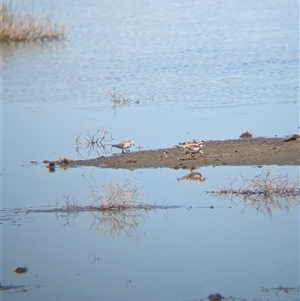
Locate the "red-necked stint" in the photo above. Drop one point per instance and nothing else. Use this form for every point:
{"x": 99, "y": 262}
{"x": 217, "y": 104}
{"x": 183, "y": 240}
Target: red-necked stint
{"x": 123, "y": 145}
{"x": 193, "y": 148}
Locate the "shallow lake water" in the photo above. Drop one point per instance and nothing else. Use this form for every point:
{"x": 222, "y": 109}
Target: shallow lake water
{"x": 192, "y": 70}
{"x": 175, "y": 254}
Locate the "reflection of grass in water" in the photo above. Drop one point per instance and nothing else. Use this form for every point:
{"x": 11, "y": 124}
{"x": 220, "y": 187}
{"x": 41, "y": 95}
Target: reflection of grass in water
{"x": 121, "y": 208}
{"x": 117, "y": 196}
{"x": 18, "y": 288}
{"x": 280, "y": 288}
{"x": 114, "y": 209}
{"x": 24, "y": 27}
{"x": 117, "y": 222}
{"x": 119, "y": 100}
{"x": 11, "y": 287}
{"x": 265, "y": 192}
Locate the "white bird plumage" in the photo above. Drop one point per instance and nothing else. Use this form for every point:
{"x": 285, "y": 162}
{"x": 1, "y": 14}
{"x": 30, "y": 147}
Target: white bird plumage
{"x": 192, "y": 148}
{"x": 123, "y": 145}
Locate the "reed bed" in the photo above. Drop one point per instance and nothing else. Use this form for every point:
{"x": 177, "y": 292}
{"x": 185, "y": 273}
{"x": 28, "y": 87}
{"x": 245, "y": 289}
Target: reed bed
{"x": 16, "y": 27}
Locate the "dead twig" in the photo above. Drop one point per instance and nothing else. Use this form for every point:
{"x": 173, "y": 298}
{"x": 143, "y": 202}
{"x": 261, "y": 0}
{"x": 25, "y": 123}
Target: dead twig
{"x": 93, "y": 141}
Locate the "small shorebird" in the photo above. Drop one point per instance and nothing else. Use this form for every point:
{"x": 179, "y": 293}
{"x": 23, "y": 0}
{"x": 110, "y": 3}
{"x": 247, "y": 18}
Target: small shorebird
{"x": 193, "y": 148}
{"x": 123, "y": 145}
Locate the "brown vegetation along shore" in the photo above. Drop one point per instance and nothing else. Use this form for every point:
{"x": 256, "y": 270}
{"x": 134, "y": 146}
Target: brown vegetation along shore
{"x": 253, "y": 151}
{"x": 18, "y": 27}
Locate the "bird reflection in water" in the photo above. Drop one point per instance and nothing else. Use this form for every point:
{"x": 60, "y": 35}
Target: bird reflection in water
{"x": 193, "y": 176}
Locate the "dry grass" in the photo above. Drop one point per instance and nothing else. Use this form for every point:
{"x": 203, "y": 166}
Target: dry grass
{"x": 117, "y": 197}
{"x": 117, "y": 98}
{"x": 114, "y": 209}
{"x": 121, "y": 100}
{"x": 267, "y": 184}
{"x": 24, "y": 27}
{"x": 265, "y": 192}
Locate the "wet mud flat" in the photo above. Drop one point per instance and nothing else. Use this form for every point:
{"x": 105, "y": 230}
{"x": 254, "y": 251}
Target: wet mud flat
{"x": 243, "y": 152}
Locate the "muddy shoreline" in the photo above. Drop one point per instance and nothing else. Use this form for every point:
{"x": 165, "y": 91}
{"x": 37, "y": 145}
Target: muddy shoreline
{"x": 243, "y": 152}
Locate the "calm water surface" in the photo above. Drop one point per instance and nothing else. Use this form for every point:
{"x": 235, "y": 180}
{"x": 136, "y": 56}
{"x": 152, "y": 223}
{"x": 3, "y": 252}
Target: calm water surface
{"x": 176, "y": 254}
{"x": 200, "y": 70}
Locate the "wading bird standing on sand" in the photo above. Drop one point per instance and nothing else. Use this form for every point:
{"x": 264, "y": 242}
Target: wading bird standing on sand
{"x": 192, "y": 148}
{"x": 123, "y": 145}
